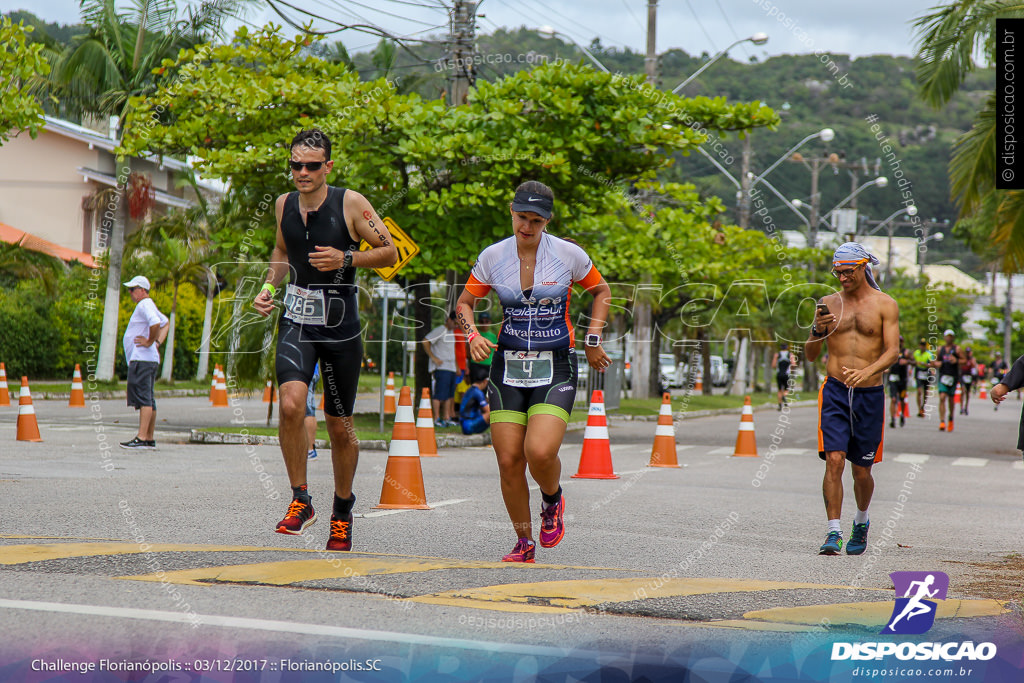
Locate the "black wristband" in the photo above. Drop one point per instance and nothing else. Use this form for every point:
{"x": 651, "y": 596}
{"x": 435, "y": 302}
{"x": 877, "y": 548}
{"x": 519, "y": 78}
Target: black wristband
{"x": 815, "y": 333}
{"x": 347, "y": 261}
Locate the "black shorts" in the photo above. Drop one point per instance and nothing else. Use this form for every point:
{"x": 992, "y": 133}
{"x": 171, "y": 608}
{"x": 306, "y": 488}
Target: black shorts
{"x": 141, "y": 377}
{"x": 299, "y": 347}
{"x": 897, "y": 389}
{"x": 782, "y": 380}
{"x": 518, "y": 404}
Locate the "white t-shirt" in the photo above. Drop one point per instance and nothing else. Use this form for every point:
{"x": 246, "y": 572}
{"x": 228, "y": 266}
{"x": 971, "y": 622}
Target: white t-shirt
{"x": 143, "y": 317}
{"x": 442, "y": 345}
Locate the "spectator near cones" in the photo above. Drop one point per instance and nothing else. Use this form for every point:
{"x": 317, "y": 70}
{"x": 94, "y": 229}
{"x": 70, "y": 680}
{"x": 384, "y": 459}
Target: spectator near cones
{"x": 403, "y": 477}
{"x": 319, "y": 229}
{"x": 746, "y": 443}
{"x": 146, "y": 329}
{"x": 534, "y": 367}
{"x": 28, "y": 428}
{"x": 425, "y": 426}
{"x": 860, "y": 324}
{"x": 663, "y": 454}
{"x": 77, "y": 399}
{"x": 5, "y": 396}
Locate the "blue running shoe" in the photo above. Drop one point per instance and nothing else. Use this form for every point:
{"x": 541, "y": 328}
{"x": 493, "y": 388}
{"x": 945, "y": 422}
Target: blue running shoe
{"x": 311, "y": 454}
{"x": 858, "y": 539}
{"x": 832, "y": 545}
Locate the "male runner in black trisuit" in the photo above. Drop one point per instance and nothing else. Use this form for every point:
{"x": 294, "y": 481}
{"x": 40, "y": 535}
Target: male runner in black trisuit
{"x": 319, "y": 229}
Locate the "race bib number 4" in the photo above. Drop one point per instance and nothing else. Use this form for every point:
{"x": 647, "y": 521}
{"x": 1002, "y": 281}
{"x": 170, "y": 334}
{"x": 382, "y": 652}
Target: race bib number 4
{"x": 304, "y": 306}
{"x": 528, "y": 368}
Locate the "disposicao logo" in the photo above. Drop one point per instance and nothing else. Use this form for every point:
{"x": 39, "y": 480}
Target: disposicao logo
{"x": 913, "y": 614}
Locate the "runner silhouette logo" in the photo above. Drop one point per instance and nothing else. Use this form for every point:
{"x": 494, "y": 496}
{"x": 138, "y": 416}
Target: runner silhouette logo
{"x": 914, "y": 613}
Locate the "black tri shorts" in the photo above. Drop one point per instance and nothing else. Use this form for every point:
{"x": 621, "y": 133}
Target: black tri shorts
{"x": 299, "y": 347}
{"x": 518, "y": 403}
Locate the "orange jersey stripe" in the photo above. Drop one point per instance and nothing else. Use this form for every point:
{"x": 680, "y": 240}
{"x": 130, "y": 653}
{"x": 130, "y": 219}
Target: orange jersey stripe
{"x": 592, "y": 279}
{"x": 477, "y": 288}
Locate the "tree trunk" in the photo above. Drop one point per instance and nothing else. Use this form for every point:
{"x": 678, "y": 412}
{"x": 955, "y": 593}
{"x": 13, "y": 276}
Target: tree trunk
{"x": 204, "y": 345}
{"x": 113, "y": 227}
{"x": 644, "y": 366}
{"x": 168, "y": 372}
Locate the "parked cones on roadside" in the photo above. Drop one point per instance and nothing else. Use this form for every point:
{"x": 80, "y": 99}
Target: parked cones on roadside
{"x": 213, "y": 382}
{"x": 403, "y": 477}
{"x": 983, "y": 391}
{"x": 389, "y": 395}
{"x": 268, "y": 392}
{"x": 5, "y": 396}
{"x": 956, "y": 395}
{"x": 663, "y": 454}
{"x": 698, "y": 386}
{"x": 28, "y": 428}
{"x": 220, "y": 392}
{"x": 425, "y": 426}
{"x": 746, "y": 445}
{"x": 596, "y": 457}
{"x": 77, "y": 399}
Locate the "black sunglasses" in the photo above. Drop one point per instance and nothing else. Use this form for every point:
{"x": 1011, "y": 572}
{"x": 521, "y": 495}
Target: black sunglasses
{"x": 310, "y": 165}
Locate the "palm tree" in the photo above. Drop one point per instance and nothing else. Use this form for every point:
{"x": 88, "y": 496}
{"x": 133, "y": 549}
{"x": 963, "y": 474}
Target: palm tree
{"x": 18, "y": 263}
{"x": 99, "y": 73}
{"x": 952, "y": 39}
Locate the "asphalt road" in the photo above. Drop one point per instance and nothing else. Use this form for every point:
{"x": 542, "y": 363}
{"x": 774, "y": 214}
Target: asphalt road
{"x": 170, "y": 555}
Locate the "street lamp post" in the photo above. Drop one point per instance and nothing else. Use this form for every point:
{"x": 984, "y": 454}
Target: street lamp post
{"x": 880, "y": 181}
{"x": 551, "y": 33}
{"x": 891, "y": 228}
{"x": 757, "y": 39}
{"x": 926, "y": 227}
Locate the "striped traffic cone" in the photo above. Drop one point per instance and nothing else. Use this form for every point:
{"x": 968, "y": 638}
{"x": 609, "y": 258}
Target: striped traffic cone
{"x": 698, "y": 387}
{"x": 956, "y": 395}
{"x": 664, "y": 452}
{"x": 596, "y": 458}
{"x": 220, "y": 392}
{"x": 425, "y": 426}
{"x": 906, "y": 407}
{"x": 403, "y": 477}
{"x": 213, "y": 382}
{"x": 28, "y": 428}
{"x": 746, "y": 445}
{"x": 77, "y": 399}
{"x": 389, "y": 395}
{"x": 5, "y": 396}
{"x": 983, "y": 391}
{"x": 268, "y": 391}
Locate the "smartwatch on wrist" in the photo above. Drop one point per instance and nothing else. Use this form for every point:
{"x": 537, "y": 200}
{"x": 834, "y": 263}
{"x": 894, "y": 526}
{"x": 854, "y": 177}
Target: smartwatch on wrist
{"x": 815, "y": 333}
{"x": 592, "y": 340}
{"x": 347, "y": 260}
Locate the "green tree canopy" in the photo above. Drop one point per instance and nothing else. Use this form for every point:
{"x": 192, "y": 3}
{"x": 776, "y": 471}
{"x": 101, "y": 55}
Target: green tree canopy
{"x": 20, "y": 61}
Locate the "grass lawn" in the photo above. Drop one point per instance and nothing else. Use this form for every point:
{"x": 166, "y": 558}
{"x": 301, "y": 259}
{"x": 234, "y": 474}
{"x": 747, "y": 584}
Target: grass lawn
{"x": 65, "y": 386}
{"x": 651, "y": 406}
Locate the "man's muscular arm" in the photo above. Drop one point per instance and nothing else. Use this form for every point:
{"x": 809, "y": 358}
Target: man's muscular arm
{"x": 367, "y": 225}
{"x": 812, "y": 347}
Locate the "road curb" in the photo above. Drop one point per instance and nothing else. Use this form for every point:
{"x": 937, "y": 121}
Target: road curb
{"x": 443, "y": 440}
{"x": 107, "y": 395}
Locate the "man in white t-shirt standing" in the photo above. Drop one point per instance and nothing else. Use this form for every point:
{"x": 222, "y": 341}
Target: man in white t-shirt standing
{"x": 141, "y": 343}
{"x": 440, "y": 346}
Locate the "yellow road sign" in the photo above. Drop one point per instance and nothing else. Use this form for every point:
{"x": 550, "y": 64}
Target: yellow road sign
{"x": 406, "y": 249}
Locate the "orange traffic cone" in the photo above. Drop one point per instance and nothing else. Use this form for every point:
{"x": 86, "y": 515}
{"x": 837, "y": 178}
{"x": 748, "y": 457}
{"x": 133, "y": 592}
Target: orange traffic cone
{"x": 403, "y": 477}
{"x": 698, "y": 387}
{"x": 220, "y": 392}
{"x": 77, "y": 399}
{"x": 268, "y": 392}
{"x": 5, "y": 396}
{"x": 983, "y": 391}
{"x": 213, "y": 382}
{"x": 664, "y": 452}
{"x": 28, "y": 428}
{"x": 425, "y": 426}
{"x": 906, "y": 407}
{"x": 746, "y": 445}
{"x": 596, "y": 458}
{"x": 956, "y": 395}
{"x": 389, "y": 395}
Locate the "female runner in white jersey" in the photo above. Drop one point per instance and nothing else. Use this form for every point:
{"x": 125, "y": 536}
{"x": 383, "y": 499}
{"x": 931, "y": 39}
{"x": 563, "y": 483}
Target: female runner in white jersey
{"x": 534, "y": 371}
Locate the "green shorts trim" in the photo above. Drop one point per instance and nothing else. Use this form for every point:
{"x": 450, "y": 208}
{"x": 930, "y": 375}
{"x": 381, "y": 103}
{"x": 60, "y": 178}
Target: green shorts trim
{"x": 548, "y": 409}
{"x": 512, "y": 416}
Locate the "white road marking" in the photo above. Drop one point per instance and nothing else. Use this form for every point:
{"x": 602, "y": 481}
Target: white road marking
{"x": 439, "y": 504}
{"x": 912, "y": 458}
{"x": 794, "y": 451}
{"x": 969, "y": 462}
{"x": 1018, "y": 465}
{"x": 280, "y": 627}
{"x": 723, "y": 451}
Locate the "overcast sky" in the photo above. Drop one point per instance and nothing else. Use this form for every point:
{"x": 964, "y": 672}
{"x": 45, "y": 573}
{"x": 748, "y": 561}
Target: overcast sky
{"x": 797, "y": 26}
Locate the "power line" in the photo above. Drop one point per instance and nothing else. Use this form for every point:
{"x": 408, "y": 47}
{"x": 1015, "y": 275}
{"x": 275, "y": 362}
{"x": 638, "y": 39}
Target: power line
{"x": 390, "y": 14}
{"x": 701, "y": 25}
{"x": 633, "y": 14}
{"x": 544, "y": 9}
{"x": 729, "y": 24}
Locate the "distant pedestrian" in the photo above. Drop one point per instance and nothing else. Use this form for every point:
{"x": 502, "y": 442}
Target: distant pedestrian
{"x": 923, "y": 374}
{"x": 146, "y": 330}
{"x": 474, "y": 411}
{"x": 781, "y": 363}
{"x": 440, "y": 346}
{"x": 947, "y": 359}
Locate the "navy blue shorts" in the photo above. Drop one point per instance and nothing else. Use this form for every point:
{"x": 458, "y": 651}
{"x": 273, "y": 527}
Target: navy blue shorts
{"x": 474, "y": 425}
{"x": 444, "y": 385}
{"x": 856, "y": 430}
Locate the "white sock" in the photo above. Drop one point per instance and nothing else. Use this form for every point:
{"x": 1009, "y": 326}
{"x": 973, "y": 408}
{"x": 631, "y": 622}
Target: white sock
{"x": 861, "y": 517}
{"x": 833, "y": 525}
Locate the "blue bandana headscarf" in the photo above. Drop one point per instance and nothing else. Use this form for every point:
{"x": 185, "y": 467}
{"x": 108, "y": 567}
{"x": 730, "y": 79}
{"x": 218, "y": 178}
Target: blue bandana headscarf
{"x": 854, "y": 254}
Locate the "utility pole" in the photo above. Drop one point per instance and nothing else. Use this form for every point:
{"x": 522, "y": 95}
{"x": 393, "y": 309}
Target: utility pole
{"x": 462, "y": 50}
{"x": 644, "y": 365}
{"x": 745, "y": 183}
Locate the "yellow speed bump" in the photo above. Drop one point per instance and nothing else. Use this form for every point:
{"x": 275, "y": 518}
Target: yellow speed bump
{"x": 22, "y": 554}
{"x": 566, "y": 596}
{"x": 871, "y": 613}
